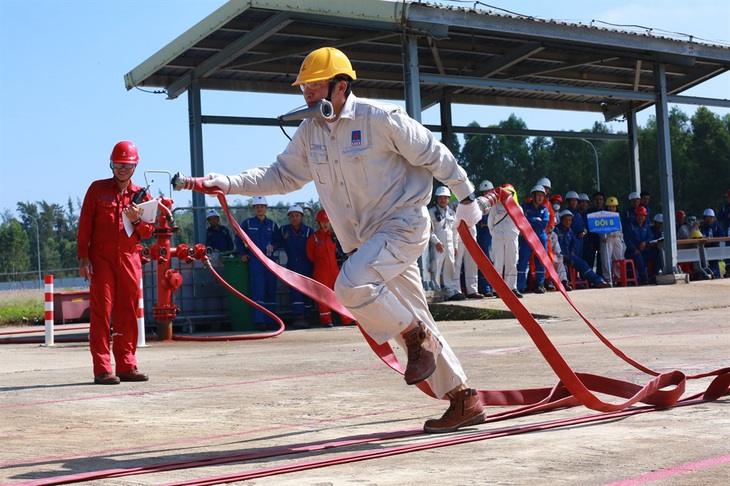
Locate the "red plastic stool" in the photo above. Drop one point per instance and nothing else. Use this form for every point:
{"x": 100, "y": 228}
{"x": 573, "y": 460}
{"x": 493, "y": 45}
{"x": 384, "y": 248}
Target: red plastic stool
{"x": 574, "y": 282}
{"x": 623, "y": 272}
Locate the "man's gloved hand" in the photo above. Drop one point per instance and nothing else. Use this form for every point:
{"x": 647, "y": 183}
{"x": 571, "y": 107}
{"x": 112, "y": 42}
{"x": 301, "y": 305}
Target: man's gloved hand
{"x": 468, "y": 213}
{"x": 222, "y": 182}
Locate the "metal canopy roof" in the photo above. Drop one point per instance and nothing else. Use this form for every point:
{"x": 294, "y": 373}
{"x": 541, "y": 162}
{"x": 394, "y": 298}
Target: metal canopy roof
{"x": 472, "y": 56}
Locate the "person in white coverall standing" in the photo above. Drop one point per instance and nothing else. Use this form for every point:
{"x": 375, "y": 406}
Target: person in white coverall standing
{"x": 505, "y": 241}
{"x": 444, "y": 240}
{"x": 373, "y": 167}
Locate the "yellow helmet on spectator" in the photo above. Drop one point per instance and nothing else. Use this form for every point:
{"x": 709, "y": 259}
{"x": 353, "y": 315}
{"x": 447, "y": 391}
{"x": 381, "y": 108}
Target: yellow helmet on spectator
{"x": 612, "y": 201}
{"x": 696, "y": 233}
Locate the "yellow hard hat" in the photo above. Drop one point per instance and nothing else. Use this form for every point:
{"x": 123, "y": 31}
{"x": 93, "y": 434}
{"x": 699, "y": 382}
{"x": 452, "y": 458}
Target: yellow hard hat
{"x": 323, "y": 64}
{"x": 696, "y": 233}
{"x": 612, "y": 201}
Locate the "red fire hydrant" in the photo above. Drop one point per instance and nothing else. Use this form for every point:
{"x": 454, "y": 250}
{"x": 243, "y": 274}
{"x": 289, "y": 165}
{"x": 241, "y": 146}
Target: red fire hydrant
{"x": 168, "y": 279}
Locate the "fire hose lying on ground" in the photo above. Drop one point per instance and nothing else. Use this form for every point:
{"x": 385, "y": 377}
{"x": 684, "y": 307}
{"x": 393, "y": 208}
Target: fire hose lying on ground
{"x": 573, "y": 388}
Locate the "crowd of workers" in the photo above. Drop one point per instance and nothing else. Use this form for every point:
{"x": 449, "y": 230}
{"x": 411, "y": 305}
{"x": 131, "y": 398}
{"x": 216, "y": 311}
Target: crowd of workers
{"x": 312, "y": 253}
{"x": 560, "y": 223}
{"x": 562, "y": 226}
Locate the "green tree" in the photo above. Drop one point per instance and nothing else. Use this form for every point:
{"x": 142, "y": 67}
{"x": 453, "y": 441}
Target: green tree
{"x": 15, "y": 256}
{"x": 709, "y": 151}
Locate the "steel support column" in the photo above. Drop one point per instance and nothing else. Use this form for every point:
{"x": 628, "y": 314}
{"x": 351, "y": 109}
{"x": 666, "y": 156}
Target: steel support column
{"x": 634, "y": 169}
{"x": 196, "y": 157}
{"x": 447, "y": 129}
{"x": 666, "y": 181}
{"x": 411, "y": 76}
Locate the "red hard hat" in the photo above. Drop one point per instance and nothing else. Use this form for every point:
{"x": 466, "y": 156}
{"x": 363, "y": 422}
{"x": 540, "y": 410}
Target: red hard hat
{"x": 125, "y": 153}
{"x": 322, "y": 217}
{"x": 728, "y": 193}
{"x": 557, "y": 197}
{"x": 640, "y": 211}
{"x": 680, "y": 214}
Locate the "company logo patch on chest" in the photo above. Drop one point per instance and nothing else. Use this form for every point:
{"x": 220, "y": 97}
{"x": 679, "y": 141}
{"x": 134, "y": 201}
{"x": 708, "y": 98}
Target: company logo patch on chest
{"x": 356, "y": 138}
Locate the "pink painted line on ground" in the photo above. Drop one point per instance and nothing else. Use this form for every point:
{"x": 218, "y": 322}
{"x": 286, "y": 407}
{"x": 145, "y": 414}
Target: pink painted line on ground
{"x": 188, "y": 389}
{"x": 672, "y": 471}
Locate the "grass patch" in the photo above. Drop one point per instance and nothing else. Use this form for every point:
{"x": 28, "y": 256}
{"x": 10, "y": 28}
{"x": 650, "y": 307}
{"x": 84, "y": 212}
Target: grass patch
{"x": 21, "y": 307}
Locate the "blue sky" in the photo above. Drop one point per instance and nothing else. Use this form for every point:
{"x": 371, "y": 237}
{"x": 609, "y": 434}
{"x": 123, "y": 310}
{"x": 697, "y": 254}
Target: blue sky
{"x": 56, "y": 132}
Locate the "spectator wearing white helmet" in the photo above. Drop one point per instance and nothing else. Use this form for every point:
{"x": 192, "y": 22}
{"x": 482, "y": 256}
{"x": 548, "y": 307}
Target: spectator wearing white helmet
{"x": 217, "y": 236}
{"x": 567, "y": 244}
{"x": 467, "y": 267}
{"x": 711, "y": 229}
{"x": 443, "y": 243}
{"x": 505, "y": 241}
{"x": 579, "y": 224}
{"x": 264, "y": 233}
{"x": 547, "y": 202}
{"x": 627, "y": 215}
{"x": 484, "y": 236}
{"x": 293, "y": 239}
{"x": 538, "y": 216}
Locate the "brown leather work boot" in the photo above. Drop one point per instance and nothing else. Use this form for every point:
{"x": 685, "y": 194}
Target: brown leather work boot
{"x": 465, "y": 410}
{"x": 423, "y": 349}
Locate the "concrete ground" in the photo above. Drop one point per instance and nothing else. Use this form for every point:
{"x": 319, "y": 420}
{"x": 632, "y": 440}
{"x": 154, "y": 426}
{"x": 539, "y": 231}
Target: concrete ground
{"x": 215, "y": 402}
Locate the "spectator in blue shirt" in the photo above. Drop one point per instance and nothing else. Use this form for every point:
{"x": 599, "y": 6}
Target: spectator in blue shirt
{"x": 567, "y": 240}
{"x": 293, "y": 238}
{"x": 538, "y": 216}
{"x": 579, "y": 225}
{"x": 216, "y": 236}
{"x": 264, "y": 233}
{"x": 636, "y": 236}
{"x": 484, "y": 239}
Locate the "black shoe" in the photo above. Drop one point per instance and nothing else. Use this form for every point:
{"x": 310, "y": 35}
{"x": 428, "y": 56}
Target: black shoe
{"x": 475, "y": 295}
{"x": 539, "y": 289}
{"x": 567, "y": 286}
{"x": 517, "y": 293}
{"x": 456, "y": 297}
{"x": 490, "y": 294}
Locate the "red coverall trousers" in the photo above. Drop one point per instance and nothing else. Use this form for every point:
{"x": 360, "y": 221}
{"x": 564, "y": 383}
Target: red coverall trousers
{"x": 322, "y": 250}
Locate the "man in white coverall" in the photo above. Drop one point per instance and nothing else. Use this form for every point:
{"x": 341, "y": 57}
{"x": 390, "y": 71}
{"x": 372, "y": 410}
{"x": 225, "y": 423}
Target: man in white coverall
{"x": 443, "y": 241}
{"x": 373, "y": 168}
{"x": 505, "y": 247}
{"x": 466, "y": 261}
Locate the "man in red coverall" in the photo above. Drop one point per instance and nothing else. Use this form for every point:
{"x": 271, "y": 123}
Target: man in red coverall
{"x": 322, "y": 250}
{"x": 108, "y": 256}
